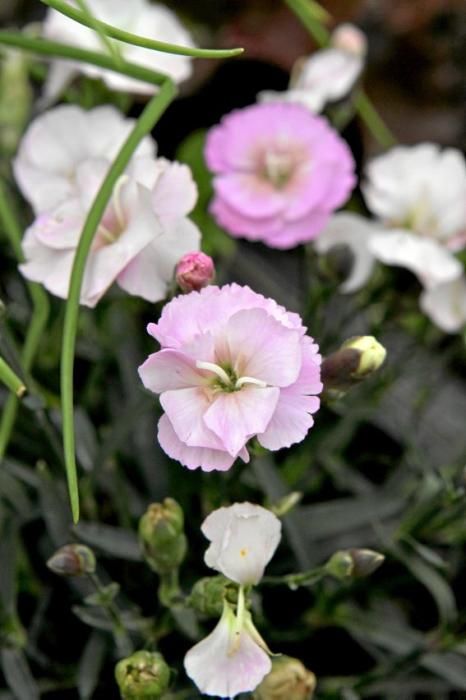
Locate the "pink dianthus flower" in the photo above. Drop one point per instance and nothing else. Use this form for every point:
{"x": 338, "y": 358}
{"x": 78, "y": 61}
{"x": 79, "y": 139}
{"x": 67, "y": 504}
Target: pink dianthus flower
{"x": 280, "y": 172}
{"x": 233, "y": 365}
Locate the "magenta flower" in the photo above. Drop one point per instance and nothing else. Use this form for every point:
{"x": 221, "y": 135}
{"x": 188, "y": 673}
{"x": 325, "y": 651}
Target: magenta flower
{"x": 233, "y": 365}
{"x": 280, "y": 172}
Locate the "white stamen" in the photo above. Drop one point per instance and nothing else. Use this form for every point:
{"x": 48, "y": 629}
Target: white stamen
{"x": 249, "y": 380}
{"x": 216, "y": 369}
{"x": 116, "y": 199}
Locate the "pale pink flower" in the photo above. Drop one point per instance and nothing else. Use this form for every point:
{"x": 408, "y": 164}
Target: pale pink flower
{"x": 243, "y": 540}
{"x": 232, "y": 659}
{"x": 144, "y": 230}
{"x": 279, "y": 173}
{"x": 151, "y": 20}
{"x": 328, "y": 74}
{"x": 195, "y": 271}
{"x": 233, "y": 365}
{"x": 64, "y": 142}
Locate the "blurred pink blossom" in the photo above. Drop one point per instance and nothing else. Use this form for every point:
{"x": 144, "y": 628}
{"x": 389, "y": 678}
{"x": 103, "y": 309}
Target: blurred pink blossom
{"x": 233, "y": 365}
{"x": 195, "y": 271}
{"x": 279, "y": 171}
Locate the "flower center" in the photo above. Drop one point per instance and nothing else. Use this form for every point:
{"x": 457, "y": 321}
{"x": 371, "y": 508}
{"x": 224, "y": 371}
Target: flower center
{"x": 226, "y": 378}
{"x": 113, "y": 223}
{"x": 278, "y": 167}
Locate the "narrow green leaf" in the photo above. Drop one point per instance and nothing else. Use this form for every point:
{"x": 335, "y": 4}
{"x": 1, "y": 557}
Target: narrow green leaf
{"x": 143, "y": 126}
{"x": 18, "y": 675}
{"x": 90, "y": 665}
{"x": 111, "y": 540}
{"x": 11, "y": 379}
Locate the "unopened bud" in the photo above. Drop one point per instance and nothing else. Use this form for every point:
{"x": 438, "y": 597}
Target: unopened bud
{"x": 357, "y": 359}
{"x": 195, "y": 271}
{"x": 162, "y": 538}
{"x": 143, "y": 675}
{"x": 372, "y": 354}
{"x": 348, "y": 37}
{"x": 209, "y": 593}
{"x": 72, "y": 560}
{"x": 289, "y": 679}
{"x": 353, "y": 563}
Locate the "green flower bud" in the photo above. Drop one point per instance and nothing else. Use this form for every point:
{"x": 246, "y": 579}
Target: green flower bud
{"x": 143, "y": 675}
{"x": 357, "y": 359}
{"x": 289, "y": 679}
{"x": 72, "y": 560}
{"x": 353, "y": 563}
{"x": 209, "y": 593}
{"x": 162, "y": 538}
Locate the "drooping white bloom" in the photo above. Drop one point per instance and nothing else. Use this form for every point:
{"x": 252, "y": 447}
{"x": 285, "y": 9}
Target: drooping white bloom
{"x": 65, "y": 144}
{"x": 417, "y": 195}
{"x": 446, "y": 305}
{"x": 232, "y": 659}
{"x": 327, "y": 75}
{"x": 243, "y": 539}
{"x": 140, "y": 238}
{"x": 140, "y": 17}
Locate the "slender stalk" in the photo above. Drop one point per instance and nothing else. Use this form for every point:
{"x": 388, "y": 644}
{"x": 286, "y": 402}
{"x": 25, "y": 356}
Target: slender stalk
{"x": 39, "y": 318}
{"x": 11, "y": 379}
{"x": 56, "y": 49}
{"x": 306, "y": 13}
{"x": 306, "y": 578}
{"x": 120, "y": 634}
{"x": 94, "y": 24}
{"x": 145, "y": 42}
{"x": 143, "y": 126}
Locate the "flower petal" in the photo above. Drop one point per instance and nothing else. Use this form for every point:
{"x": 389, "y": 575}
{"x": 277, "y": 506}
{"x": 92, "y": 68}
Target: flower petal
{"x": 193, "y": 457}
{"x": 186, "y": 408}
{"x": 431, "y": 262}
{"x": 169, "y": 369}
{"x": 446, "y": 305}
{"x": 217, "y": 671}
{"x": 237, "y": 416}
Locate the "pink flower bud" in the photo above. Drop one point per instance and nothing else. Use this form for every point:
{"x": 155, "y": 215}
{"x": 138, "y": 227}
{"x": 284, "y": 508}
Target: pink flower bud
{"x": 348, "y": 37}
{"x": 194, "y": 271}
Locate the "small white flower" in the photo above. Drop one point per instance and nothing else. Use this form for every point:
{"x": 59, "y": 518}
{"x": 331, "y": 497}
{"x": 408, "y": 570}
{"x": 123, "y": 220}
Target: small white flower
{"x": 136, "y": 16}
{"x": 232, "y": 659}
{"x": 243, "y": 539}
{"x": 327, "y": 75}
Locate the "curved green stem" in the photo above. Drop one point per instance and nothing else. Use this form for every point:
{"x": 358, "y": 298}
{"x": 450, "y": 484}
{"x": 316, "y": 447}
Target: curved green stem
{"x": 143, "y": 126}
{"x": 73, "y": 53}
{"x": 135, "y": 39}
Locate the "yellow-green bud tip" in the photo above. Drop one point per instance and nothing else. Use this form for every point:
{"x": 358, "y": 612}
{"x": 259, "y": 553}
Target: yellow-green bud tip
{"x": 372, "y": 354}
{"x": 142, "y": 676}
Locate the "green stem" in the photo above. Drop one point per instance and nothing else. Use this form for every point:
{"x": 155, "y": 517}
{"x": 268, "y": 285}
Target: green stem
{"x": 143, "y": 126}
{"x": 306, "y": 578}
{"x": 121, "y": 636}
{"x": 59, "y": 50}
{"x": 94, "y": 24}
{"x": 11, "y": 379}
{"x": 135, "y": 39}
{"x": 310, "y": 19}
{"x": 40, "y": 315}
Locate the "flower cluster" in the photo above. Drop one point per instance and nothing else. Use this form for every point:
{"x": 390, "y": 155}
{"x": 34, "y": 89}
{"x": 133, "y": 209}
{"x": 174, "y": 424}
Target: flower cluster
{"x": 233, "y": 365}
{"x": 417, "y": 195}
{"x": 62, "y": 161}
{"x": 279, "y": 173}
{"x": 234, "y": 658}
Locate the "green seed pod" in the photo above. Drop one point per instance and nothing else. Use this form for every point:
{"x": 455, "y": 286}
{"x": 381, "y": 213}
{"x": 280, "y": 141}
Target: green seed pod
{"x": 354, "y": 563}
{"x": 72, "y": 560}
{"x": 161, "y": 535}
{"x": 289, "y": 679}
{"x": 142, "y": 676}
